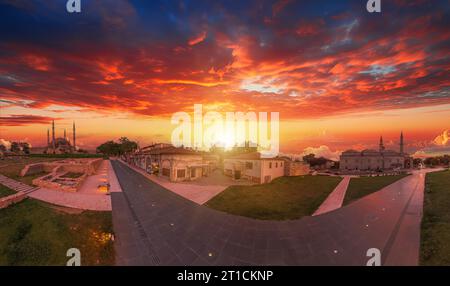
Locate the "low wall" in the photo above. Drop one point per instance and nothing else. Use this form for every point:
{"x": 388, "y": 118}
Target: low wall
{"x": 55, "y": 180}
{"x": 32, "y": 169}
{"x": 12, "y": 199}
{"x": 58, "y": 182}
{"x": 88, "y": 166}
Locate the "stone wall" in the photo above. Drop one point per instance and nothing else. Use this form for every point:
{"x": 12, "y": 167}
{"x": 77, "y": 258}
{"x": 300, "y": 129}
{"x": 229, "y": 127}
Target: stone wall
{"x": 32, "y": 169}
{"x": 12, "y": 199}
{"x": 58, "y": 182}
{"x": 55, "y": 180}
{"x": 293, "y": 168}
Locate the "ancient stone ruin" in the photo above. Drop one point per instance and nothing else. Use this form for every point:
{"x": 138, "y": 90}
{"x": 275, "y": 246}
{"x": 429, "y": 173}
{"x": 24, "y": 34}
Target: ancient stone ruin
{"x": 65, "y": 175}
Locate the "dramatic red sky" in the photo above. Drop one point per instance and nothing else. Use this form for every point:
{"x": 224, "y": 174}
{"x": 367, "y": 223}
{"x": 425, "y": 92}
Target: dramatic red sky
{"x": 339, "y": 76}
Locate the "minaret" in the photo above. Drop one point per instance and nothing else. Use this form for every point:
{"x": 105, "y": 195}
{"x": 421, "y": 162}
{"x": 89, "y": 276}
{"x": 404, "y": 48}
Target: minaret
{"x": 381, "y": 144}
{"x": 401, "y": 143}
{"x": 48, "y": 137}
{"x": 73, "y": 134}
{"x": 65, "y": 137}
{"x": 53, "y": 136}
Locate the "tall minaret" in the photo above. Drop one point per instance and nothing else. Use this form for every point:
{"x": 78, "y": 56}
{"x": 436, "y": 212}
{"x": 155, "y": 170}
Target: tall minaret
{"x": 73, "y": 134}
{"x": 53, "y": 136}
{"x": 65, "y": 137}
{"x": 48, "y": 137}
{"x": 381, "y": 144}
{"x": 401, "y": 143}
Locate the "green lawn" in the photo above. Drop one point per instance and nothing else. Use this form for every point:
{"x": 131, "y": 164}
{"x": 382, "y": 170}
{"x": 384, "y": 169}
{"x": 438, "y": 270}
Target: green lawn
{"x": 363, "y": 186}
{"x": 5, "y": 191}
{"x": 36, "y": 233}
{"x": 435, "y": 233}
{"x": 284, "y": 198}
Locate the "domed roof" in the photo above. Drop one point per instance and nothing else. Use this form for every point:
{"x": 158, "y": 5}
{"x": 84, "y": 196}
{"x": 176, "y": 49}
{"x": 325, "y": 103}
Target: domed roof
{"x": 61, "y": 141}
{"x": 370, "y": 152}
{"x": 391, "y": 152}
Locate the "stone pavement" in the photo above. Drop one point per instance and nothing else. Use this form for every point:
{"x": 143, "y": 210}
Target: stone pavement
{"x": 93, "y": 202}
{"x": 154, "y": 226}
{"x": 335, "y": 198}
{"x": 16, "y": 185}
{"x": 23, "y": 190}
{"x": 407, "y": 238}
{"x": 199, "y": 194}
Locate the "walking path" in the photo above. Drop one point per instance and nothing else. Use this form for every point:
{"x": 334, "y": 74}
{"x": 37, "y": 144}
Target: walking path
{"x": 92, "y": 202}
{"x": 407, "y": 232}
{"x": 199, "y": 194}
{"x": 335, "y": 199}
{"x": 16, "y": 185}
{"x": 154, "y": 226}
{"x": 23, "y": 190}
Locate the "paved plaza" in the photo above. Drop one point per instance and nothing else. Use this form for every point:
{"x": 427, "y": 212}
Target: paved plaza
{"x": 199, "y": 191}
{"x": 154, "y": 226}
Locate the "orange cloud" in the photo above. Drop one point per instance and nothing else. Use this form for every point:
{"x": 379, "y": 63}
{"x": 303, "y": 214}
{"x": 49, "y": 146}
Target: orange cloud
{"x": 198, "y": 39}
{"x": 190, "y": 82}
{"x": 442, "y": 139}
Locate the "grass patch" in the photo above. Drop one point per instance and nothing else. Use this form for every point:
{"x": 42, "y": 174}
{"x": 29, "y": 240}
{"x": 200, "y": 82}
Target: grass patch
{"x": 36, "y": 233}
{"x": 435, "y": 228}
{"x": 72, "y": 175}
{"x": 363, "y": 186}
{"x": 5, "y": 191}
{"x": 284, "y": 198}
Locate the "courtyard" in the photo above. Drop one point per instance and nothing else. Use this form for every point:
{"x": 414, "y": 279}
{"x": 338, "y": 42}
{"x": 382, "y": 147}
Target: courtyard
{"x": 267, "y": 224}
{"x": 155, "y": 226}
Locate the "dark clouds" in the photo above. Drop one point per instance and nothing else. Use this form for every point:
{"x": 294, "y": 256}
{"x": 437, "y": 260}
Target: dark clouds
{"x": 153, "y": 58}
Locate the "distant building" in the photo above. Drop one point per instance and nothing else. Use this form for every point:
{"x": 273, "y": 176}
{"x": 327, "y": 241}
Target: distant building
{"x": 372, "y": 160}
{"x": 295, "y": 168}
{"x": 253, "y": 167}
{"x": 247, "y": 148}
{"x": 175, "y": 163}
{"x": 60, "y": 145}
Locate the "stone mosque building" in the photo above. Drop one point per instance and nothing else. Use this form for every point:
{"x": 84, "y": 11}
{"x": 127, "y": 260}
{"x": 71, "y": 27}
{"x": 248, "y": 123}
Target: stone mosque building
{"x": 60, "y": 145}
{"x": 372, "y": 160}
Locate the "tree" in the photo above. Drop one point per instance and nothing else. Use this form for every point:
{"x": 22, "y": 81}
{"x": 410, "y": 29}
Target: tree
{"x": 308, "y": 158}
{"x": 126, "y": 145}
{"x": 109, "y": 148}
{"x": 15, "y": 147}
{"x": 116, "y": 149}
{"x": 313, "y": 161}
{"x": 26, "y": 148}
